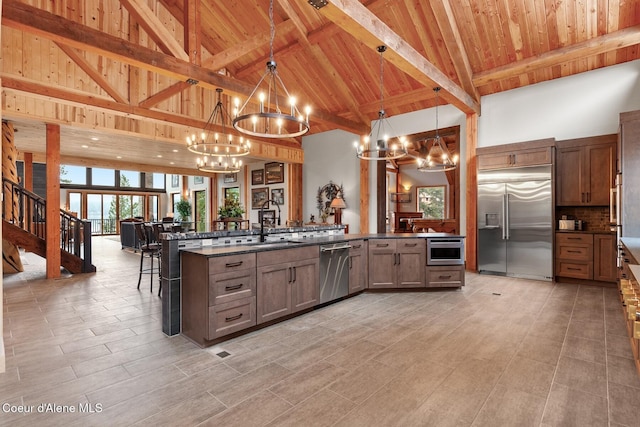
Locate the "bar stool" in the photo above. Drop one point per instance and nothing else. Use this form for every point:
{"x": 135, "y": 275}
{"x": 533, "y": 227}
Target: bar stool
{"x": 148, "y": 249}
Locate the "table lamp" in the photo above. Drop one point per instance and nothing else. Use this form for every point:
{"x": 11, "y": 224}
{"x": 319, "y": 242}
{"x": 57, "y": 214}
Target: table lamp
{"x": 338, "y": 204}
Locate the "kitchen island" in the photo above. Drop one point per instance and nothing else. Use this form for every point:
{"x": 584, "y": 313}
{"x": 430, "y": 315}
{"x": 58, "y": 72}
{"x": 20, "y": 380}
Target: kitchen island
{"x": 237, "y": 288}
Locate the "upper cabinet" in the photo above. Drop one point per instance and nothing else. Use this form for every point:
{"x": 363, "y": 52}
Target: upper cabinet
{"x": 520, "y": 154}
{"x": 585, "y": 170}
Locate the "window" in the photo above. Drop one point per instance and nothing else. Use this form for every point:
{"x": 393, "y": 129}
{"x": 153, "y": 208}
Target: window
{"x": 75, "y": 203}
{"x": 158, "y": 181}
{"x": 175, "y": 198}
{"x": 431, "y": 201}
{"x": 103, "y": 177}
{"x": 73, "y": 175}
{"x": 129, "y": 179}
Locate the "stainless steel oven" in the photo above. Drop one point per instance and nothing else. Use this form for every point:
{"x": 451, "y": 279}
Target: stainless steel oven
{"x": 445, "y": 251}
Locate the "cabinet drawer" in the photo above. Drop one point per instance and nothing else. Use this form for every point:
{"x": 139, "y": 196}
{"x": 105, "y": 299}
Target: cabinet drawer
{"x": 409, "y": 244}
{"x": 287, "y": 255}
{"x": 576, "y": 270}
{"x": 231, "y": 317}
{"x": 231, "y": 263}
{"x": 444, "y": 277}
{"x": 574, "y": 238}
{"x": 231, "y": 286}
{"x": 356, "y": 246}
{"x": 577, "y": 253}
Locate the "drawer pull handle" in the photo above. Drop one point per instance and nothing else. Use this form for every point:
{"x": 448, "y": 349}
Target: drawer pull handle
{"x": 382, "y": 245}
{"x": 357, "y": 246}
{"x": 573, "y": 269}
{"x": 574, "y": 238}
{"x": 445, "y": 277}
{"x": 574, "y": 252}
{"x": 233, "y": 264}
{"x": 234, "y": 287}
{"x": 232, "y": 318}
{"x": 410, "y": 245}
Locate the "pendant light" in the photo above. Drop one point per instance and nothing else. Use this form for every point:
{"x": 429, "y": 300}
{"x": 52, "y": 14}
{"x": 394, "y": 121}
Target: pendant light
{"x": 219, "y": 164}
{"x": 212, "y": 143}
{"x": 378, "y": 145}
{"x": 438, "y": 157}
{"x": 269, "y": 121}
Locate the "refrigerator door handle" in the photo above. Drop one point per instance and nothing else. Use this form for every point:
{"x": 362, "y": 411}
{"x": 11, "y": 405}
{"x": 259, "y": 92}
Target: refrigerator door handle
{"x": 504, "y": 221}
{"x": 507, "y": 222}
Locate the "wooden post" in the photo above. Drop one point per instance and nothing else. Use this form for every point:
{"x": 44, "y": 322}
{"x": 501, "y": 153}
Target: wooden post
{"x": 11, "y": 261}
{"x": 28, "y": 171}
{"x": 294, "y": 192}
{"x": 52, "y": 214}
{"x": 472, "y": 193}
{"x": 364, "y": 196}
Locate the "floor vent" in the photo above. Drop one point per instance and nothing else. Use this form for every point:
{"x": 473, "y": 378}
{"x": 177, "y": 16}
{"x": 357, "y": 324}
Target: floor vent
{"x": 223, "y": 354}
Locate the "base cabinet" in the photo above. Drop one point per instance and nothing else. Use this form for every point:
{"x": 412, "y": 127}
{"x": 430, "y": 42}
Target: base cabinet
{"x": 586, "y": 256}
{"x": 604, "y": 258}
{"x": 284, "y": 288}
{"x": 358, "y": 271}
{"x": 218, "y": 295}
{"x": 397, "y": 263}
{"x": 446, "y": 276}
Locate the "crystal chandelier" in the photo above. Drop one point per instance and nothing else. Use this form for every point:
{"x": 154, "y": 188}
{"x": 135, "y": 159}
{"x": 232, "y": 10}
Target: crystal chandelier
{"x": 212, "y": 143}
{"x": 269, "y": 121}
{"x": 438, "y": 157}
{"x": 378, "y": 145}
{"x": 219, "y": 164}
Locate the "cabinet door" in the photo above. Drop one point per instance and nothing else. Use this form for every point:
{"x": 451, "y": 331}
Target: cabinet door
{"x": 495, "y": 161}
{"x": 604, "y": 258}
{"x": 541, "y": 156}
{"x": 273, "y": 292}
{"x": 357, "y": 267}
{"x": 569, "y": 177}
{"x": 382, "y": 263}
{"x": 600, "y": 173}
{"x": 412, "y": 260}
{"x": 305, "y": 288}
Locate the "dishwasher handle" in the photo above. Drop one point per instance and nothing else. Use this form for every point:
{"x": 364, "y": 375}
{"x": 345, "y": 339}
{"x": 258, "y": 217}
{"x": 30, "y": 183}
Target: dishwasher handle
{"x": 333, "y": 248}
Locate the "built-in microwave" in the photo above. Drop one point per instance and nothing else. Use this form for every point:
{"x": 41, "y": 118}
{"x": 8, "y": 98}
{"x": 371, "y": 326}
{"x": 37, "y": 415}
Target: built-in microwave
{"x": 445, "y": 251}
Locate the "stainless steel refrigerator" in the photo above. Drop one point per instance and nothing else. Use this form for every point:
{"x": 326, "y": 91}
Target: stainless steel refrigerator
{"x": 515, "y": 222}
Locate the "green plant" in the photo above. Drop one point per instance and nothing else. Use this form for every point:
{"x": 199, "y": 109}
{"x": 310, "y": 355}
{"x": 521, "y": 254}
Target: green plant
{"x": 184, "y": 209}
{"x": 231, "y": 208}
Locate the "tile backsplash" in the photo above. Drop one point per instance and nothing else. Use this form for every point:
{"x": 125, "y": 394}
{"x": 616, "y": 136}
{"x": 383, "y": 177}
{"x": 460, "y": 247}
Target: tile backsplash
{"x": 593, "y": 218}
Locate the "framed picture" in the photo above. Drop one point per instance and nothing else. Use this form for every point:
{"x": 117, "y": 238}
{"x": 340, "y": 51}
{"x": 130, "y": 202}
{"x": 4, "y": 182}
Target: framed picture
{"x": 257, "y": 177}
{"x": 269, "y": 217}
{"x": 175, "y": 180}
{"x": 274, "y": 173}
{"x": 277, "y": 195}
{"x": 230, "y": 178}
{"x": 259, "y": 197}
{"x": 198, "y": 180}
{"x": 232, "y": 192}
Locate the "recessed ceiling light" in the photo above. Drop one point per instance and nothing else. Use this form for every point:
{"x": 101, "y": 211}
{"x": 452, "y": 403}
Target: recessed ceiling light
{"x": 174, "y": 150}
{"x": 85, "y": 146}
{"x": 118, "y": 157}
{"x": 172, "y": 163}
{"x": 94, "y": 138}
{"x": 159, "y": 156}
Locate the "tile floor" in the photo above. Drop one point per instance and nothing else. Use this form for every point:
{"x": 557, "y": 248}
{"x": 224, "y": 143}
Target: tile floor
{"x": 500, "y": 352}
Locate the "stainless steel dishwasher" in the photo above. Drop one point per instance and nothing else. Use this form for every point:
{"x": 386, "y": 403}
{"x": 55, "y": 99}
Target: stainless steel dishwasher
{"x": 334, "y": 271}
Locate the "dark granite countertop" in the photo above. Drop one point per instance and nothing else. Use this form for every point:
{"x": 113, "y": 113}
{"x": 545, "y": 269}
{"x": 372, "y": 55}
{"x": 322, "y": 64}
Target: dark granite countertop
{"x": 213, "y": 251}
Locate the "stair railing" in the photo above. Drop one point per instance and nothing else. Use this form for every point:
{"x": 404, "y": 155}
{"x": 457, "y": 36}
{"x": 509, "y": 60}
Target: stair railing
{"x": 27, "y": 210}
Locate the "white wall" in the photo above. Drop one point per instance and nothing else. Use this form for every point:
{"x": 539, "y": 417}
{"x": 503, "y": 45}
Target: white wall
{"x": 586, "y": 104}
{"x": 330, "y": 156}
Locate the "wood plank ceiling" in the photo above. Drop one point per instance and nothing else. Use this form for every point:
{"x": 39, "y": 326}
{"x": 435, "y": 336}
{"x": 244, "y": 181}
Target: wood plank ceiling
{"x": 117, "y": 70}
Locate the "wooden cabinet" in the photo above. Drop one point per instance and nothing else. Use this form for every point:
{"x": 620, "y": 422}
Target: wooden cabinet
{"x": 284, "y": 288}
{"x": 574, "y": 255}
{"x": 358, "y": 271}
{"x": 397, "y": 263}
{"x": 604, "y": 258}
{"x": 585, "y": 171}
{"x": 446, "y": 276}
{"x": 586, "y": 256}
{"x": 218, "y": 295}
{"x": 539, "y": 152}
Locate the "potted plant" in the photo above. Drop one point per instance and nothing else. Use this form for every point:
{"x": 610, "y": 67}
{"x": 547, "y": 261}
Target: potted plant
{"x": 184, "y": 210}
{"x": 231, "y": 209}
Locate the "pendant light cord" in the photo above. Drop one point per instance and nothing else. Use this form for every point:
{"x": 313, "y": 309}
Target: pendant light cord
{"x": 381, "y": 49}
{"x": 273, "y": 30}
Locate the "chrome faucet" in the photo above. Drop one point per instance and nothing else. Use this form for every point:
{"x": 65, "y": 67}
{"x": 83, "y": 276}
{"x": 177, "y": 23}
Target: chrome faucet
{"x": 262, "y": 216}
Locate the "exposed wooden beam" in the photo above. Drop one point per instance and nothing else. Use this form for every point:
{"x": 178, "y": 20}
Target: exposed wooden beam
{"x": 471, "y": 251}
{"x": 453, "y": 41}
{"x": 60, "y": 30}
{"x": 192, "y": 31}
{"x": 166, "y": 93}
{"x": 597, "y": 45}
{"x": 52, "y": 208}
{"x": 357, "y": 20}
{"x": 76, "y": 57}
{"x": 148, "y": 20}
